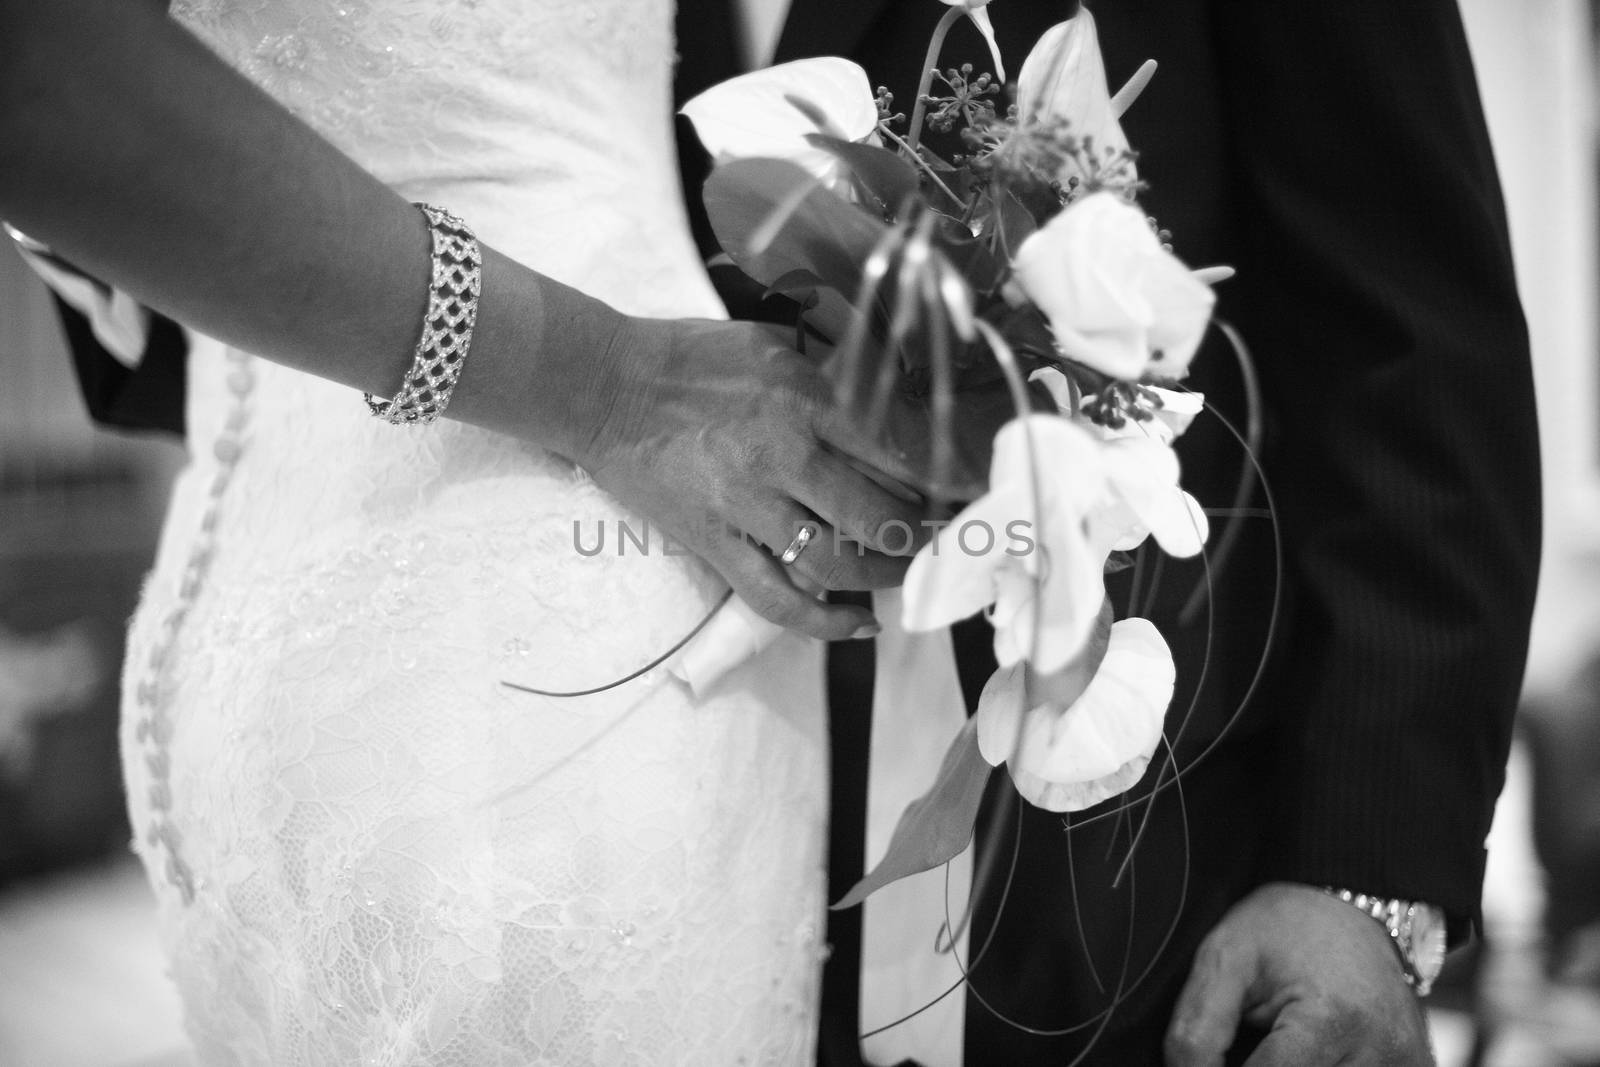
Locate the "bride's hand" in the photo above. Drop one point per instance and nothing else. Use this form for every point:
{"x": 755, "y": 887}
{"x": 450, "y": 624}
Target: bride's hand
{"x": 710, "y": 428}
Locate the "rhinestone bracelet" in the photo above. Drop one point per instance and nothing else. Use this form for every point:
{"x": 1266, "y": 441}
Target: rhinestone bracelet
{"x": 446, "y": 325}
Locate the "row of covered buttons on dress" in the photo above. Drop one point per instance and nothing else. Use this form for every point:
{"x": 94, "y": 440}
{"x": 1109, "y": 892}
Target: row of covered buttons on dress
{"x": 153, "y": 692}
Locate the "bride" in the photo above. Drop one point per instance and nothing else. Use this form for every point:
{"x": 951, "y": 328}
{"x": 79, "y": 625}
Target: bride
{"x": 368, "y": 850}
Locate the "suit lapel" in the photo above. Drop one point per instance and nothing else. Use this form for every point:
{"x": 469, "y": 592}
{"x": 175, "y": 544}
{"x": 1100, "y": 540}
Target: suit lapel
{"x": 825, "y": 27}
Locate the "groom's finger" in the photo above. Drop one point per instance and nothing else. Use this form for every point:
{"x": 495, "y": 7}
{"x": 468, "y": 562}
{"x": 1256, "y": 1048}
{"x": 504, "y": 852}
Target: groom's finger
{"x": 1208, "y": 1011}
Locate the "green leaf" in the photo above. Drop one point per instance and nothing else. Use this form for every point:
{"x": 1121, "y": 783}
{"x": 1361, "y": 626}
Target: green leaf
{"x": 1016, "y": 224}
{"x": 1038, "y": 198}
{"x": 773, "y": 217}
{"x": 832, "y": 314}
{"x": 934, "y": 160}
{"x": 797, "y": 284}
{"x": 883, "y": 175}
{"x": 969, "y": 254}
{"x": 937, "y": 826}
{"x": 826, "y": 309}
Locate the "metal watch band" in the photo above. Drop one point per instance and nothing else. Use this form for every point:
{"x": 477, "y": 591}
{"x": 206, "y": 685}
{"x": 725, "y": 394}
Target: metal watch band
{"x": 1420, "y": 961}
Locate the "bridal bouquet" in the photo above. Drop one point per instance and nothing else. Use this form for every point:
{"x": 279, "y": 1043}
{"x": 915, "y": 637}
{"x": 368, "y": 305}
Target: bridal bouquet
{"x": 1016, "y": 259}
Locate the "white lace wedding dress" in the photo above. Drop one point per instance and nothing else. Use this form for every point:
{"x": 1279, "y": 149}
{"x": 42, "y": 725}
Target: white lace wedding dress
{"x": 368, "y": 850}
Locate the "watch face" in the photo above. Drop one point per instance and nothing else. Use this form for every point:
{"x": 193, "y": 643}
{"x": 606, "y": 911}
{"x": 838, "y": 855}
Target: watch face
{"x": 1427, "y": 938}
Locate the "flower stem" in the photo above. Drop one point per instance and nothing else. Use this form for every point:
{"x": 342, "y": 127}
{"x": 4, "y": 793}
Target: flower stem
{"x": 917, "y": 160}
{"x": 935, "y": 46}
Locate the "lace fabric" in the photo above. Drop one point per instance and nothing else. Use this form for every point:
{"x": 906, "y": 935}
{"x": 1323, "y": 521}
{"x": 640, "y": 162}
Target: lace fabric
{"x": 367, "y": 850}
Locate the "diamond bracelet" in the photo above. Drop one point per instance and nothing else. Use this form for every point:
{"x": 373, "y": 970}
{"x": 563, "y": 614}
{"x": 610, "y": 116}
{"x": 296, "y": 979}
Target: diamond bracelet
{"x": 446, "y": 325}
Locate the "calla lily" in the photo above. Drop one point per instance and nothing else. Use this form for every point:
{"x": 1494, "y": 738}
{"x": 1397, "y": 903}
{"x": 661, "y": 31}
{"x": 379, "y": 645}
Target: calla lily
{"x": 1064, "y": 78}
{"x": 977, "y": 11}
{"x": 1116, "y": 299}
{"x": 1083, "y": 740}
{"x": 770, "y": 113}
{"x": 1006, "y": 548}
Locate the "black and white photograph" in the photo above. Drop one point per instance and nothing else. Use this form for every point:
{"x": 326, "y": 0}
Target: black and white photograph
{"x": 799, "y": 533}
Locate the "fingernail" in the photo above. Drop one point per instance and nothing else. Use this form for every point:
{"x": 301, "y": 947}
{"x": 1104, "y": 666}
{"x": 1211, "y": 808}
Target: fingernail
{"x": 871, "y": 629}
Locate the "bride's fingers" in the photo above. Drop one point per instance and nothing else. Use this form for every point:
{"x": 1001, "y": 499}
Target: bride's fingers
{"x": 825, "y": 559}
{"x": 861, "y": 508}
{"x": 763, "y": 583}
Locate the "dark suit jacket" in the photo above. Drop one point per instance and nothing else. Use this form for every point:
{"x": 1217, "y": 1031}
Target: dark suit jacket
{"x": 1336, "y": 155}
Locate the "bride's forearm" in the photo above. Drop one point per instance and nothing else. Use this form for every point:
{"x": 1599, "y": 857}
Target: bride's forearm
{"x": 141, "y": 157}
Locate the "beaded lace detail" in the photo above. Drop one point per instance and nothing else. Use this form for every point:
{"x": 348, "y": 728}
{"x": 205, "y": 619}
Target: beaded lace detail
{"x": 367, "y": 850}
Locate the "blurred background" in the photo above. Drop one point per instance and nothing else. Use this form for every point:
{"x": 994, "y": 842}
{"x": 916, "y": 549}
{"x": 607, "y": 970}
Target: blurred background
{"x": 81, "y": 975}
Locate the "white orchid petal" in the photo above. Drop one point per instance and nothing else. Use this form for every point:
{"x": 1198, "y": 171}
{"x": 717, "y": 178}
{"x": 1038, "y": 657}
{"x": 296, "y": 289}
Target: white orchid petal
{"x": 1133, "y": 534}
{"x": 1117, "y": 718}
{"x": 1178, "y": 409}
{"x": 1055, "y": 383}
{"x": 1079, "y": 796}
{"x": 1073, "y": 590}
{"x": 1187, "y": 536}
{"x": 1062, "y": 567}
{"x": 953, "y": 576}
{"x": 999, "y": 714}
{"x": 1030, "y": 557}
{"x": 1143, "y": 473}
{"x": 1115, "y": 723}
{"x": 1013, "y": 617}
{"x": 1070, "y": 452}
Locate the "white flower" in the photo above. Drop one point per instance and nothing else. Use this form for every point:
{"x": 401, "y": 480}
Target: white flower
{"x": 1144, "y": 500}
{"x": 1176, "y": 409}
{"x": 1141, "y": 474}
{"x": 1006, "y": 551}
{"x": 1064, "y": 78}
{"x": 1116, "y": 300}
{"x": 1085, "y": 739}
{"x": 977, "y": 11}
{"x": 770, "y": 112}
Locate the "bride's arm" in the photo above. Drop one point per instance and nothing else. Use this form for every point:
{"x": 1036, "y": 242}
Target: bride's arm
{"x": 137, "y": 154}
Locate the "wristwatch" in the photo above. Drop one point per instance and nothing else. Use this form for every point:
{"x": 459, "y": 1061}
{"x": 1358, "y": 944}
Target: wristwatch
{"x": 1417, "y": 929}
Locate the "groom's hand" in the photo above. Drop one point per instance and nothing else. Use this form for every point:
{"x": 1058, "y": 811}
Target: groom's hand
{"x": 714, "y": 427}
{"x": 1321, "y": 978}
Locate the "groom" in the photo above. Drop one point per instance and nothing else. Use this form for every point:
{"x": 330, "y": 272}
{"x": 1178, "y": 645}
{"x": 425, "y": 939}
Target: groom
{"x": 1336, "y": 155}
